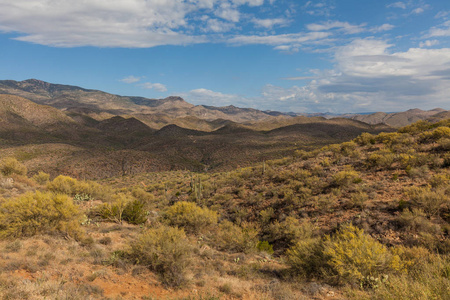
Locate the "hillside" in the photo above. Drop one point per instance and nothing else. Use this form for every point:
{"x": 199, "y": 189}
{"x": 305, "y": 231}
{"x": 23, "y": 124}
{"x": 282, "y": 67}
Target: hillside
{"x": 399, "y": 119}
{"x": 363, "y": 219}
{"x": 104, "y": 143}
{"x": 67, "y": 97}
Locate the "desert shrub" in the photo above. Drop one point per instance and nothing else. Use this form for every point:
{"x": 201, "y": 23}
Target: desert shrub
{"x": 387, "y": 138}
{"x": 440, "y": 180}
{"x": 365, "y": 139}
{"x": 349, "y": 256}
{"x": 359, "y": 199}
{"x": 134, "y": 212}
{"x": 431, "y": 201}
{"x": 345, "y": 178}
{"x": 381, "y": 159}
{"x": 142, "y": 195}
{"x": 232, "y": 238}
{"x": 444, "y": 144}
{"x": 190, "y": 216}
{"x": 264, "y": 246}
{"x": 71, "y": 186}
{"x": 34, "y": 213}
{"x": 306, "y": 258}
{"x": 417, "y": 172}
{"x": 355, "y": 256}
{"x": 41, "y": 178}
{"x": 114, "y": 210}
{"x": 288, "y": 232}
{"x": 164, "y": 250}
{"x": 429, "y": 279}
{"x": 10, "y": 165}
{"x": 441, "y": 132}
{"x": 415, "y": 220}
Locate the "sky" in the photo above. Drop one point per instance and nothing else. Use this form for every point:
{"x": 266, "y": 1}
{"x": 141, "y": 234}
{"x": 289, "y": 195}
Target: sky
{"x": 339, "y": 56}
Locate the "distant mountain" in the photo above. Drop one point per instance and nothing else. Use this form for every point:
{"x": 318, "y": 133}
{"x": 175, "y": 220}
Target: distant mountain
{"x": 96, "y": 103}
{"x": 398, "y": 119}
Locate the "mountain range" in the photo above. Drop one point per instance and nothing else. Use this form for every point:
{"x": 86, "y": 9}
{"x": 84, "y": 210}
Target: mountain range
{"x": 59, "y": 128}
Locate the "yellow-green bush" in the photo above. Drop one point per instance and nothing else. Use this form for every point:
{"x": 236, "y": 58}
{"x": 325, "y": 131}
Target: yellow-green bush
{"x": 306, "y": 258}
{"x": 289, "y": 231}
{"x": 122, "y": 208}
{"x": 10, "y": 165}
{"x": 71, "y": 186}
{"x": 431, "y": 201}
{"x": 35, "y": 213}
{"x": 355, "y": 256}
{"x": 232, "y": 238}
{"x": 429, "y": 279}
{"x": 164, "y": 250}
{"x": 365, "y": 139}
{"x": 191, "y": 217}
{"x": 41, "y": 178}
{"x": 345, "y": 178}
{"x": 381, "y": 159}
{"x": 349, "y": 256}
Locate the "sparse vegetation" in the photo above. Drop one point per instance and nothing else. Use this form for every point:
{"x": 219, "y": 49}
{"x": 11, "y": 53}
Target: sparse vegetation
{"x": 366, "y": 219}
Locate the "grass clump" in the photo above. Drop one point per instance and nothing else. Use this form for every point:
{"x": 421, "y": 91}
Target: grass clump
{"x": 34, "y": 213}
{"x": 191, "y": 217}
{"x": 166, "y": 251}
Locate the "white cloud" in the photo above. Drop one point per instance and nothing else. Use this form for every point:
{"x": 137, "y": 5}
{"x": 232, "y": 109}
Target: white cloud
{"x": 384, "y": 27}
{"x": 429, "y": 43}
{"x": 130, "y": 79}
{"x": 209, "y": 97}
{"x": 442, "y": 14}
{"x": 228, "y": 12}
{"x": 278, "y": 40}
{"x": 401, "y": 5}
{"x": 269, "y": 23}
{"x": 215, "y": 25}
{"x": 318, "y": 8}
{"x": 367, "y": 76}
{"x": 154, "y": 86}
{"x": 118, "y": 23}
{"x": 418, "y": 10}
{"x": 344, "y": 26}
{"x": 439, "y": 31}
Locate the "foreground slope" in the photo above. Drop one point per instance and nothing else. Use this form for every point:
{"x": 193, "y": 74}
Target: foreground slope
{"x": 364, "y": 219}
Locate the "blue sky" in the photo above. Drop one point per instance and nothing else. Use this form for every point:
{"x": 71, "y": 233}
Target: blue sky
{"x": 302, "y": 56}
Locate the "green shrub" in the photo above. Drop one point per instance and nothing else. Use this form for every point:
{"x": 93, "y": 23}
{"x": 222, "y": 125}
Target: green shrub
{"x": 35, "y": 213}
{"x": 429, "y": 279}
{"x": 191, "y": 217}
{"x": 355, "y": 256}
{"x": 306, "y": 258}
{"x": 41, "y": 178}
{"x": 114, "y": 211}
{"x": 345, "y": 178}
{"x": 232, "y": 238}
{"x": 288, "y": 232}
{"x": 134, "y": 212}
{"x": 381, "y": 159}
{"x": 365, "y": 139}
{"x": 166, "y": 251}
{"x": 264, "y": 246}
{"x": 71, "y": 186}
{"x": 431, "y": 201}
{"x": 10, "y": 165}
{"x": 415, "y": 220}
{"x": 349, "y": 256}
